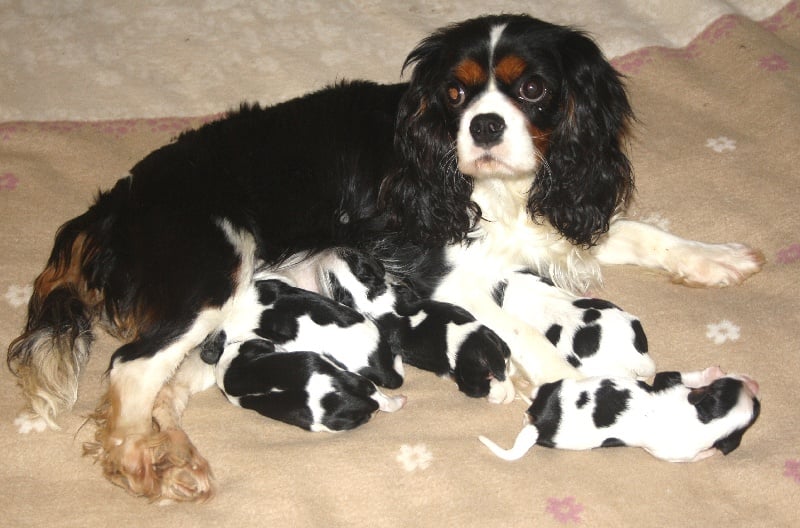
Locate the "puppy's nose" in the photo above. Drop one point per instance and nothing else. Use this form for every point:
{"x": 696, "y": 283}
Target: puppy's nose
{"x": 487, "y": 129}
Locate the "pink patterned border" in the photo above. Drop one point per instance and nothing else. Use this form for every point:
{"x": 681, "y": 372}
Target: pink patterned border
{"x": 117, "y": 128}
{"x": 633, "y": 62}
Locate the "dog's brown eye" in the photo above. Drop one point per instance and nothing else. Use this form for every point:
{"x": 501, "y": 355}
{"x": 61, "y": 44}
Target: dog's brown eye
{"x": 455, "y": 94}
{"x": 533, "y": 90}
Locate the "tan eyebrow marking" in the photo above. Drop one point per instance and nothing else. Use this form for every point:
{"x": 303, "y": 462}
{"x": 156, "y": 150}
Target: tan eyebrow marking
{"x": 510, "y": 68}
{"x": 470, "y": 73}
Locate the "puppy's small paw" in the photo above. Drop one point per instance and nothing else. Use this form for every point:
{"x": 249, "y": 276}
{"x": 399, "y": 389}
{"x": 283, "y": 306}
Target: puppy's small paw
{"x": 390, "y": 403}
{"x": 501, "y": 391}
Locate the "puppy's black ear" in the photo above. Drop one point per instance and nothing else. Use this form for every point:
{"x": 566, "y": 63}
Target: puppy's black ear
{"x": 730, "y": 442}
{"x": 429, "y": 198}
{"x": 696, "y": 396}
{"x": 589, "y": 177}
{"x": 705, "y": 402}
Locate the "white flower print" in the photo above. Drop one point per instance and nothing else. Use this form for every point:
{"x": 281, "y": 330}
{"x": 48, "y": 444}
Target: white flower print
{"x": 722, "y": 332}
{"x": 414, "y": 457}
{"x": 721, "y": 144}
{"x": 16, "y": 296}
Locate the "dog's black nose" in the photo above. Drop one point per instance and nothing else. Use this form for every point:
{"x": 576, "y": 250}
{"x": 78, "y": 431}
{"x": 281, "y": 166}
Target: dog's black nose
{"x": 487, "y": 129}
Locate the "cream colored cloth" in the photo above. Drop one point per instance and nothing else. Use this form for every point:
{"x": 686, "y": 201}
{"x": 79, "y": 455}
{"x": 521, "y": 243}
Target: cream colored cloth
{"x": 716, "y": 155}
{"x": 107, "y": 59}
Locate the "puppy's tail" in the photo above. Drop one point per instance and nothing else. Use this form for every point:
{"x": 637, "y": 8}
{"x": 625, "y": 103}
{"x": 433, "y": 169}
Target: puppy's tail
{"x": 524, "y": 441}
{"x": 67, "y": 297}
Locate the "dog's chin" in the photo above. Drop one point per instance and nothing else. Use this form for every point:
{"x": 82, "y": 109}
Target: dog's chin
{"x": 487, "y": 166}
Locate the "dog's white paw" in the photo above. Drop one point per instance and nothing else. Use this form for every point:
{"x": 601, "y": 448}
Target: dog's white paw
{"x": 714, "y": 265}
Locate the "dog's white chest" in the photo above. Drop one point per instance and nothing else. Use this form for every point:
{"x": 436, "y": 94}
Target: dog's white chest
{"x": 508, "y": 239}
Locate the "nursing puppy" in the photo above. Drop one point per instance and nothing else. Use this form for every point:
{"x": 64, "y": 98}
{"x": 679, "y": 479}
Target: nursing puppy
{"x": 305, "y": 389}
{"x": 680, "y": 418}
{"x": 595, "y": 336}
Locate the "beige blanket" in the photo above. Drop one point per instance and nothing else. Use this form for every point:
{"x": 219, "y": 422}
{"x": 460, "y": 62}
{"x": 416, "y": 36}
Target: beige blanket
{"x": 716, "y": 156}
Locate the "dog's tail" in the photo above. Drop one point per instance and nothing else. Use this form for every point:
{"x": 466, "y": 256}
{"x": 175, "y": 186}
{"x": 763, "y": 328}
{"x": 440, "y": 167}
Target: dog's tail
{"x": 524, "y": 441}
{"x": 68, "y": 297}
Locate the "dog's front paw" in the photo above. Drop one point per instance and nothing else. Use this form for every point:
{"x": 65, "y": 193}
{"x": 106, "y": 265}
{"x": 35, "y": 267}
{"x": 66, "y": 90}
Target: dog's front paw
{"x": 714, "y": 265}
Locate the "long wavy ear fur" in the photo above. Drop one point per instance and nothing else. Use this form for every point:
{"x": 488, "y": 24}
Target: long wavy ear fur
{"x": 589, "y": 177}
{"x": 428, "y": 198}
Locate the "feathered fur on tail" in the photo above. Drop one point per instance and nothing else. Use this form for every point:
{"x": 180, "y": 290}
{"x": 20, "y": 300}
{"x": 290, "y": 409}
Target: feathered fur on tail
{"x": 67, "y": 298}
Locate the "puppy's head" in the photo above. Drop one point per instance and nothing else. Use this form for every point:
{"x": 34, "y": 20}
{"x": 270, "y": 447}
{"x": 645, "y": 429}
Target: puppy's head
{"x": 512, "y": 97}
{"x": 731, "y": 404}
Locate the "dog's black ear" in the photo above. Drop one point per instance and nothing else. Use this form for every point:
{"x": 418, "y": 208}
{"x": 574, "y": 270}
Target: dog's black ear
{"x": 428, "y": 197}
{"x": 588, "y": 177}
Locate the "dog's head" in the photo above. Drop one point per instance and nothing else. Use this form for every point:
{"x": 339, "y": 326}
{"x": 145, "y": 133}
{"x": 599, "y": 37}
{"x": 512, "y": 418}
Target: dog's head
{"x": 729, "y": 403}
{"x": 511, "y": 97}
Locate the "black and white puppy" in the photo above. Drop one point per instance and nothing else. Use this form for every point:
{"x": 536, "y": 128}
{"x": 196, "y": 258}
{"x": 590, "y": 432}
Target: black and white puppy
{"x": 305, "y": 389}
{"x": 593, "y": 335}
{"x": 679, "y": 418}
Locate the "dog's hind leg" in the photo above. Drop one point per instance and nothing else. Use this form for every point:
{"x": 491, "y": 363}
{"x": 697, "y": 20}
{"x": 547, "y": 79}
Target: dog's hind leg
{"x": 138, "y": 440}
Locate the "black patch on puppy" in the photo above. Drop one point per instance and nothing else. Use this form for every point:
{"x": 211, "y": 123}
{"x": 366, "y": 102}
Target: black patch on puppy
{"x": 478, "y": 362}
{"x": 339, "y": 293}
{"x": 279, "y": 322}
{"x": 639, "y": 337}
{"x": 553, "y": 334}
{"x": 613, "y": 442}
{"x": 545, "y": 412}
{"x": 715, "y": 400}
{"x": 583, "y": 399}
{"x": 587, "y": 341}
{"x": 589, "y": 316}
{"x": 574, "y": 361}
{"x": 732, "y": 441}
{"x": 499, "y": 292}
{"x": 211, "y": 349}
{"x": 663, "y": 381}
{"x": 369, "y": 272}
{"x": 609, "y": 403}
{"x": 598, "y": 304}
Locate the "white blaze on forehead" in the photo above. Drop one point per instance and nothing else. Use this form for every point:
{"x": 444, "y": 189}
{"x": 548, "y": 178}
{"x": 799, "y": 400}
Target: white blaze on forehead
{"x": 494, "y": 37}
